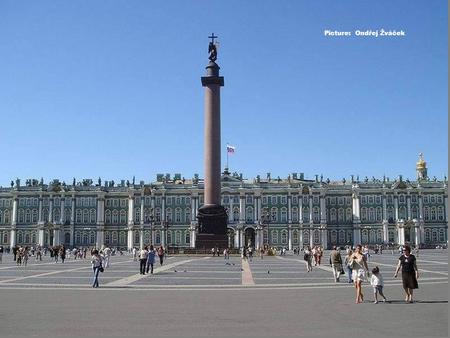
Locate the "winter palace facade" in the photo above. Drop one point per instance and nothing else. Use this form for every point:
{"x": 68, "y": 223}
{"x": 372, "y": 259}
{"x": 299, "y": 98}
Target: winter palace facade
{"x": 288, "y": 212}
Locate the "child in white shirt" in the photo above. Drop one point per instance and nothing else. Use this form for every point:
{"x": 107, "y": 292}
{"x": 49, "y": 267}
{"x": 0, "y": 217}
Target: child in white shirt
{"x": 376, "y": 280}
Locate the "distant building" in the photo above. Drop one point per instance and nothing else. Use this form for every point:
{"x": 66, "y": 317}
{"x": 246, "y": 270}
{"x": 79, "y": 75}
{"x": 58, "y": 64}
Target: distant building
{"x": 289, "y": 212}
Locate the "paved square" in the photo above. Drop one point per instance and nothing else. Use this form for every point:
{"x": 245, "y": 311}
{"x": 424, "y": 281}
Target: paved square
{"x": 210, "y": 296}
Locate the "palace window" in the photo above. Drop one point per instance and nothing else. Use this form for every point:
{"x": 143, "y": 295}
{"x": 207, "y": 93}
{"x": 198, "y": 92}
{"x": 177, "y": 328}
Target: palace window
{"x": 249, "y": 214}
{"x": 274, "y": 237}
{"x": 433, "y": 199}
{"x": 249, "y": 199}
{"x": 283, "y": 199}
{"x": 433, "y": 213}
{"x": 426, "y": 213}
{"x": 379, "y": 214}
{"x": 440, "y": 199}
{"x": 341, "y": 201}
{"x": 402, "y": 213}
{"x": 414, "y": 212}
{"x": 316, "y": 214}
{"x": 264, "y": 200}
{"x": 340, "y": 215}
{"x": 363, "y": 200}
{"x": 28, "y": 216}
{"x": 294, "y": 215}
{"x": 295, "y": 237}
{"x": 115, "y": 217}
{"x": 284, "y": 237}
{"x": 236, "y": 214}
{"x": 363, "y": 214}
{"x": 78, "y": 216}
{"x": 107, "y": 217}
{"x": 371, "y": 200}
{"x": 440, "y": 212}
{"x": 274, "y": 215}
{"x": 378, "y": 199}
{"x": 349, "y": 215}
{"x": 305, "y": 214}
{"x": 294, "y": 200}
{"x": 414, "y": 198}
{"x": 187, "y": 237}
{"x": 274, "y": 199}
{"x": 333, "y": 215}
{"x": 93, "y": 217}
{"x": 178, "y": 215}
{"x": 85, "y": 216}
{"x": 283, "y": 215}
{"x": 123, "y": 217}
{"x": 401, "y": 198}
{"x": 187, "y": 215}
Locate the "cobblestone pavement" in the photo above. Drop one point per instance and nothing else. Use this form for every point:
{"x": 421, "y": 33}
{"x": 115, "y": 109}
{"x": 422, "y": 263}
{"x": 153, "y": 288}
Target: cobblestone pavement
{"x": 210, "y": 296}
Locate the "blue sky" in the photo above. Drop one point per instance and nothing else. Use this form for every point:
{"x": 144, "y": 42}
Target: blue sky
{"x": 112, "y": 88}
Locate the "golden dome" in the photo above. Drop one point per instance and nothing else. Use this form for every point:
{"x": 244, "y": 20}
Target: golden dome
{"x": 421, "y": 164}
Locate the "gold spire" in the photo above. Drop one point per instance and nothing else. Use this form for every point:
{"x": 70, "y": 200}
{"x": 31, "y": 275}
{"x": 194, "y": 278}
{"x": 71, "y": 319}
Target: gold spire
{"x": 421, "y": 164}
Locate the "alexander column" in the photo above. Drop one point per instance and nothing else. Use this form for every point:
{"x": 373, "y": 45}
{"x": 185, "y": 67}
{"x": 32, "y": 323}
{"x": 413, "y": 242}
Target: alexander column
{"x": 212, "y": 216}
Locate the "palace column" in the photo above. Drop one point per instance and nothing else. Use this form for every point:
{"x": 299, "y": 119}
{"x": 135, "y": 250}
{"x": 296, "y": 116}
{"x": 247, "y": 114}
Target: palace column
{"x": 242, "y": 209}
{"x": 311, "y": 225}
{"x": 396, "y": 207}
{"x": 323, "y": 221}
{"x": 100, "y": 221}
{"x": 72, "y": 222}
{"x": 385, "y": 221}
{"x": 289, "y": 198}
{"x": 300, "y": 218}
{"x": 12, "y": 234}
{"x": 40, "y": 224}
{"x": 130, "y": 222}
{"x": 356, "y": 219}
{"x": 408, "y": 206}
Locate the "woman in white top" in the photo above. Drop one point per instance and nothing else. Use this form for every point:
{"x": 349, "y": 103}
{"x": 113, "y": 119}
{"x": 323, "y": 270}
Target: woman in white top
{"x": 96, "y": 262}
{"x": 359, "y": 271}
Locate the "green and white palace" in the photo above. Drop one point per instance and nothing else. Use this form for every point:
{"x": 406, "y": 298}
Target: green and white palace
{"x": 289, "y": 212}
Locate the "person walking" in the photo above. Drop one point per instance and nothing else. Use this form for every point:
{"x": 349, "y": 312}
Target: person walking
{"x": 336, "y": 263}
{"x": 308, "y": 257}
{"x": 1, "y": 253}
{"x": 107, "y": 254}
{"x": 96, "y": 262}
{"x": 410, "y": 273}
{"x": 348, "y": 265}
{"x": 161, "y": 255}
{"x": 376, "y": 280}
{"x": 62, "y": 253}
{"x": 143, "y": 260}
{"x": 151, "y": 259}
{"x": 134, "y": 252}
{"x": 359, "y": 271}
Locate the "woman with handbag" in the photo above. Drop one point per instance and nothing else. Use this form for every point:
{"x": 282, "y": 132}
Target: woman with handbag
{"x": 360, "y": 271}
{"x": 96, "y": 262}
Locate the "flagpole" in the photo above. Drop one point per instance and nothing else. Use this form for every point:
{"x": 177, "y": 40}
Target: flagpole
{"x": 227, "y": 156}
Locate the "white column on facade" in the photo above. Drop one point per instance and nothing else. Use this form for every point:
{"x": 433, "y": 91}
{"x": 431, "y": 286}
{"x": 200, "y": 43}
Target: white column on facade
{"x": 40, "y": 218}
{"x": 300, "y": 209}
{"x": 141, "y": 237}
{"x": 12, "y": 237}
{"x": 323, "y": 213}
{"x": 300, "y": 236}
{"x": 289, "y": 198}
{"x": 130, "y": 222}
{"x": 242, "y": 237}
{"x": 242, "y": 209}
{"x": 163, "y": 237}
{"x": 142, "y": 209}
{"x": 192, "y": 211}
{"x": 310, "y": 208}
{"x": 236, "y": 237}
{"x": 230, "y": 213}
{"x": 130, "y": 210}
{"x": 396, "y": 207}
{"x": 408, "y": 206}
{"x": 385, "y": 232}
{"x": 420, "y": 207}
{"x": 100, "y": 222}
{"x": 50, "y": 211}
{"x": 311, "y": 235}
{"x": 401, "y": 233}
{"x": 40, "y": 236}
{"x": 192, "y": 236}
{"x": 163, "y": 207}
{"x": 324, "y": 234}
{"x": 417, "y": 237}
{"x": 356, "y": 219}
{"x": 14, "y": 212}
{"x": 446, "y": 207}
{"x": 290, "y": 237}
{"x": 384, "y": 207}
{"x": 72, "y": 221}
{"x": 56, "y": 235}
{"x": 255, "y": 209}
{"x": 61, "y": 210}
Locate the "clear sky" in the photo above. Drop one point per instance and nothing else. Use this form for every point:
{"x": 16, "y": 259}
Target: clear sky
{"x": 112, "y": 88}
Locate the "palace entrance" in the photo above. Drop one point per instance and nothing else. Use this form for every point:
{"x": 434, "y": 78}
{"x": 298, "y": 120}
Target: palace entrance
{"x": 250, "y": 237}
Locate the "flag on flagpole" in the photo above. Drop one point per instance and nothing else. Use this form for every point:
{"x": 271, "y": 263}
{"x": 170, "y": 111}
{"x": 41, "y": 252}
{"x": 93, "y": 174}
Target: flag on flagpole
{"x": 230, "y": 149}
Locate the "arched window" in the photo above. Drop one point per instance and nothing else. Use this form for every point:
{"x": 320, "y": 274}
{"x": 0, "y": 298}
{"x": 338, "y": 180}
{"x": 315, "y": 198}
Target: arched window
{"x": 67, "y": 214}
{"x": 107, "y": 216}
{"x": 414, "y": 212}
{"x": 294, "y": 215}
{"x": 6, "y": 217}
{"x": 1, "y": 217}
{"x": 390, "y": 213}
{"x": 440, "y": 212}
{"x": 379, "y": 214}
{"x": 93, "y": 217}
{"x": 169, "y": 237}
{"x": 177, "y": 237}
{"x": 363, "y": 214}
{"x": 349, "y": 215}
{"x": 402, "y": 213}
{"x": 122, "y": 238}
{"x": 295, "y": 237}
{"x": 21, "y": 216}
{"x": 333, "y": 236}
{"x": 364, "y": 236}
{"x": 426, "y": 213}
{"x": 236, "y": 214}
{"x": 341, "y": 236}
{"x": 333, "y": 215}
{"x": 115, "y": 217}
{"x": 85, "y": 238}
{"x": 274, "y": 237}
{"x": 78, "y": 216}
{"x": 137, "y": 215}
{"x": 114, "y": 237}
{"x": 274, "y": 214}
{"x": 187, "y": 237}
{"x": 340, "y": 215}
{"x": 306, "y": 215}
{"x": 56, "y": 214}
{"x": 283, "y": 215}
{"x": 379, "y": 236}
{"x": 157, "y": 237}
{"x": 441, "y": 235}
{"x": 123, "y": 217}
{"x": 92, "y": 237}
{"x": 305, "y": 237}
{"x": 169, "y": 214}
{"x": 187, "y": 215}
{"x": 107, "y": 237}
{"x": 136, "y": 236}
{"x": 249, "y": 214}
{"x": 28, "y": 216}
{"x": 34, "y": 216}
{"x": 284, "y": 237}
{"x": 85, "y": 216}
{"x": 316, "y": 214}
{"x": 178, "y": 215}
{"x": 433, "y": 213}
{"x": 158, "y": 215}
{"x": 371, "y": 214}
{"x": 316, "y": 237}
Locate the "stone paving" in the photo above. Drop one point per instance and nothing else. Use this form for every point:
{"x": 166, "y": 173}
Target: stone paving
{"x": 207, "y": 296}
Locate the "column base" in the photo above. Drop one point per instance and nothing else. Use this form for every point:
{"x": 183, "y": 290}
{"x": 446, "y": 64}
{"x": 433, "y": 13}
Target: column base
{"x": 212, "y": 221}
